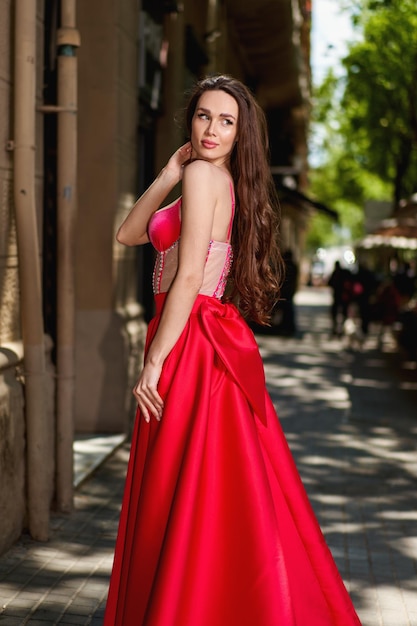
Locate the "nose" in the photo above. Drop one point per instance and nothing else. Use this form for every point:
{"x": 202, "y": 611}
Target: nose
{"x": 210, "y": 129}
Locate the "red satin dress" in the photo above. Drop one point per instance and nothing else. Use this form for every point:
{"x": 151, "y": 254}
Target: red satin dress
{"x": 216, "y": 528}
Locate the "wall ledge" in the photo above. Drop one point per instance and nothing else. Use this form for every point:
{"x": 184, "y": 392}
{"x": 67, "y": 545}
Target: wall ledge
{"x": 11, "y": 354}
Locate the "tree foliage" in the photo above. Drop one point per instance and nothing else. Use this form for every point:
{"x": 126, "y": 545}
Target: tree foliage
{"x": 365, "y": 122}
{"x": 339, "y": 178}
{"x": 380, "y": 95}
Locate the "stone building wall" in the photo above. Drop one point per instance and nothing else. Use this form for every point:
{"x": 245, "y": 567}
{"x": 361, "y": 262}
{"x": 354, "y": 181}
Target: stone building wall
{"x": 12, "y": 414}
{"x": 109, "y": 323}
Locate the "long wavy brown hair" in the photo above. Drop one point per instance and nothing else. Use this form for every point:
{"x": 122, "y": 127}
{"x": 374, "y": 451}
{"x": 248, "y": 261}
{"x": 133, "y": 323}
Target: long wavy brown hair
{"x": 257, "y": 270}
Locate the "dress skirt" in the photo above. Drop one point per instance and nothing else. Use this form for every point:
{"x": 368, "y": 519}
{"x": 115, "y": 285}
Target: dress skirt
{"x": 216, "y": 528}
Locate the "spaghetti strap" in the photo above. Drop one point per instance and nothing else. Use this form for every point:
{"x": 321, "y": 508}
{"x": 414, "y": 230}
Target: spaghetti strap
{"x": 232, "y": 193}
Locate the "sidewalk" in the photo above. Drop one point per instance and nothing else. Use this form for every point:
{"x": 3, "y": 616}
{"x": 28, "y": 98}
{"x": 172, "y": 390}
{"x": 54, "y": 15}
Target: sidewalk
{"x": 65, "y": 581}
{"x": 351, "y": 421}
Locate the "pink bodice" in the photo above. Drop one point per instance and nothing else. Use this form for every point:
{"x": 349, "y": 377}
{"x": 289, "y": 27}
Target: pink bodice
{"x": 164, "y": 233}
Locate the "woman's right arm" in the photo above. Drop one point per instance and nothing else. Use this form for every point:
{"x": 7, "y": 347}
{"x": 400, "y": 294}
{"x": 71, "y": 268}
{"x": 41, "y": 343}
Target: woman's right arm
{"x": 133, "y": 230}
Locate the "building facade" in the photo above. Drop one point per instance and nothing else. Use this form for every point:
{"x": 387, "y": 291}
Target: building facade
{"x": 108, "y": 81}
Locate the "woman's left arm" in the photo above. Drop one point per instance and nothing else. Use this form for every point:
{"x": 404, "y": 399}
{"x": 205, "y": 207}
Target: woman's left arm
{"x": 198, "y": 205}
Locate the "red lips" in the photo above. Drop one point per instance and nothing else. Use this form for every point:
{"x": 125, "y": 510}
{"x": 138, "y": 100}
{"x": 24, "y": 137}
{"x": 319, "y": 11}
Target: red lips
{"x": 208, "y": 144}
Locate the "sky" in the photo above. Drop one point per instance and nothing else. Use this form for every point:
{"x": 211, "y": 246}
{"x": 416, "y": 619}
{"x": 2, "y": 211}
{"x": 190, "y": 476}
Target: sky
{"x": 331, "y": 30}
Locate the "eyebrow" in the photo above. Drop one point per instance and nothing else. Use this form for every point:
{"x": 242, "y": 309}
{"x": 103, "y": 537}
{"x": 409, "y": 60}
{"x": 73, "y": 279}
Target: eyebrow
{"x": 221, "y": 114}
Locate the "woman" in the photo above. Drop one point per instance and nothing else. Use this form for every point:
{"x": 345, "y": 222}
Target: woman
{"x": 216, "y": 528}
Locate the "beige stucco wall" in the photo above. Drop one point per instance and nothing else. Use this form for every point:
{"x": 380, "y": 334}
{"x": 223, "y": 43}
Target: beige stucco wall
{"x": 9, "y": 283}
{"x": 12, "y": 425}
{"x": 12, "y": 447}
{"x": 106, "y": 326}
{"x": 12, "y": 416}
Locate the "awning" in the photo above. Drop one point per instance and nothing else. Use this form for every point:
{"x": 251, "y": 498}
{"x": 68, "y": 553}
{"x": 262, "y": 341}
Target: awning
{"x": 398, "y": 228}
{"x": 386, "y": 241}
{"x": 297, "y": 198}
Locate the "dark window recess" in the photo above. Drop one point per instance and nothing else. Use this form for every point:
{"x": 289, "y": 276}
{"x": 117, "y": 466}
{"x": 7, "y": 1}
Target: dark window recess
{"x": 171, "y": 7}
{"x": 49, "y": 251}
{"x": 282, "y": 141}
{"x": 195, "y": 54}
{"x": 157, "y": 8}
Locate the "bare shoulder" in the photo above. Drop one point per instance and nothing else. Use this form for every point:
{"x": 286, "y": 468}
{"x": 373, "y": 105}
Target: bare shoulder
{"x": 203, "y": 177}
{"x": 202, "y": 170}
{"x": 206, "y": 195}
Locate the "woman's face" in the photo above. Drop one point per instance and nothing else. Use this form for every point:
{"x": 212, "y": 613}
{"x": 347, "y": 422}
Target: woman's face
{"x": 214, "y": 127}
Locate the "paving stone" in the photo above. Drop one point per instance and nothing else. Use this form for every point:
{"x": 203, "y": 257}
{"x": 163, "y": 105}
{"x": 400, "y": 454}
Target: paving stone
{"x": 17, "y": 612}
{"x": 358, "y": 465}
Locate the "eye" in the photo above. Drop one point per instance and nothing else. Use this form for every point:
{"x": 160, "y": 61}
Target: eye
{"x": 227, "y": 122}
{"x": 203, "y": 116}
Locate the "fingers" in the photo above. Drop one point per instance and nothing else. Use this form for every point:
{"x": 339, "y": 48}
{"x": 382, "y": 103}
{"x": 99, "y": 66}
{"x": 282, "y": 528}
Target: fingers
{"x": 186, "y": 148}
{"x": 149, "y": 401}
{"x": 180, "y": 158}
{"x": 185, "y": 152}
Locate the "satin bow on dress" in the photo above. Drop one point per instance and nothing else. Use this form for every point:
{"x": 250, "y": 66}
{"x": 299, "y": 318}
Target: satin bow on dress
{"x": 216, "y": 528}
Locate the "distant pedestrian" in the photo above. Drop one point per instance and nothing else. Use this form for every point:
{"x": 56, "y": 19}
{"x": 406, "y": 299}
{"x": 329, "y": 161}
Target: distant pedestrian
{"x": 405, "y": 282}
{"x": 340, "y": 282}
{"x": 364, "y": 288}
{"x": 388, "y": 305}
{"x": 284, "y": 312}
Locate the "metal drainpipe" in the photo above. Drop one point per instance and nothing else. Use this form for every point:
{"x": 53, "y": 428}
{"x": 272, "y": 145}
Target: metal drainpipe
{"x": 68, "y": 42}
{"x": 29, "y": 268}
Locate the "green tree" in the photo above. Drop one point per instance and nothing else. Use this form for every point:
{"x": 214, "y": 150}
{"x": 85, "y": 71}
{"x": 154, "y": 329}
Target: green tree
{"x": 380, "y": 94}
{"x": 364, "y": 137}
{"x": 338, "y": 178}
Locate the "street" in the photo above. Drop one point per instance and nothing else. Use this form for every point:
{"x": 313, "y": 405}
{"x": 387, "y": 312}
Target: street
{"x": 350, "y": 417}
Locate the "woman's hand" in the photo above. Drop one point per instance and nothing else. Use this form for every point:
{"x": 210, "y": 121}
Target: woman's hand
{"x": 146, "y": 392}
{"x": 181, "y": 157}
{"x": 133, "y": 230}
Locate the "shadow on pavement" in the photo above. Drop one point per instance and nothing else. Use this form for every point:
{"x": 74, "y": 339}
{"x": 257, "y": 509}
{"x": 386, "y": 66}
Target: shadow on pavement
{"x": 347, "y": 419}
{"x": 65, "y": 581}
{"x": 350, "y": 418}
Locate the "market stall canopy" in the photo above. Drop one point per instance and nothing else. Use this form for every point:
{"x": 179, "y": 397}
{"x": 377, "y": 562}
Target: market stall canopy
{"x": 385, "y": 241}
{"x": 402, "y": 223}
{"x": 399, "y": 231}
{"x": 398, "y": 228}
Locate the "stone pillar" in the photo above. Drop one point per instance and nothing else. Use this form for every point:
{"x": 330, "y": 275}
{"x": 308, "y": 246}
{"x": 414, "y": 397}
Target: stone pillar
{"x": 108, "y": 122}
